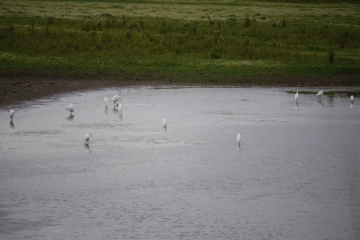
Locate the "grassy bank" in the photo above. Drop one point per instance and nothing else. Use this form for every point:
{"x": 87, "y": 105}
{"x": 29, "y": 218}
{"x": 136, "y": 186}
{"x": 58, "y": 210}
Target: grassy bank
{"x": 220, "y": 42}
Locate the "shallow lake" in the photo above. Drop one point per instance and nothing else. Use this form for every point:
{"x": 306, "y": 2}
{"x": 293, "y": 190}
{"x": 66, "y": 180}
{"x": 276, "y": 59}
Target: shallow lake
{"x": 295, "y": 175}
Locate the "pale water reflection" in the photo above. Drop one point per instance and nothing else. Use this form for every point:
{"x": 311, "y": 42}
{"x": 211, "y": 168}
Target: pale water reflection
{"x": 295, "y": 175}
{"x": 70, "y": 118}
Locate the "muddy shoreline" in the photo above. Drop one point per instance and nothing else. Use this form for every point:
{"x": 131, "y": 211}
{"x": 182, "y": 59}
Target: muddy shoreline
{"x": 15, "y": 90}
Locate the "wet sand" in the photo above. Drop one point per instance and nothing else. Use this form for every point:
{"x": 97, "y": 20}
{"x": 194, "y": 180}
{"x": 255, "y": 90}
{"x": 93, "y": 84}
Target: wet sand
{"x": 16, "y": 89}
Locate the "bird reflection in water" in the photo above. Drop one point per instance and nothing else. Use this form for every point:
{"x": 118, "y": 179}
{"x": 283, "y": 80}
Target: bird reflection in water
{"x": 88, "y": 148}
{"x": 296, "y": 106}
{"x": 165, "y": 124}
{"x": 320, "y": 102}
{"x": 351, "y": 105}
{"x": 120, "y": 117}
{"x": 70, "y": 118}
{"x": 12, "y": 125}
{"x": 106, "y": 111}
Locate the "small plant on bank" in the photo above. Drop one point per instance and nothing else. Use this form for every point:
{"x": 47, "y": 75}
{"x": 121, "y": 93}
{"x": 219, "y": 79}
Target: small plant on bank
{"x": 214, "y": 55}
{"x": 247, "y": 21}
{"x": 211, "y": 21}
{"x": 331, "y": 56}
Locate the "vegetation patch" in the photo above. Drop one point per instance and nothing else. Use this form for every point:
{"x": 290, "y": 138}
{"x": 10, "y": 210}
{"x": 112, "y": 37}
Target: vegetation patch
{"x": 185, "y": 41}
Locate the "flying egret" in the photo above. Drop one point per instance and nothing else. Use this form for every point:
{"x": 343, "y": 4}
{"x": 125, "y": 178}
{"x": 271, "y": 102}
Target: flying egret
{"x": 115, "y": 99}
{"x": 238, "y": 137}
{"x": 106, "y": 102}
{"x": 296, "y": 95}
{"x": 164, "y": 122}
{"x": 87, "y": 138}
{"x": 319, "y": 94}
{"x": 70, "y": 108}
{"x": 352, "y": 99}
{"x": 12, "y": 113}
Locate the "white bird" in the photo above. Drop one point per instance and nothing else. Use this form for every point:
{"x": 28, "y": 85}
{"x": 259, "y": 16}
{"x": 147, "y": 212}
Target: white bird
{"x": 87, "y": 138}
{"x": 296, "y": 95}
{"x": 70, "y": 108}
{"x": 238, "y": 137}
{"x": 352, "y": 99}
{"x": 115, "y": 99}
{"x": 119, "y": 108}
{"x": 106, "y": 102}
{"x": 319, "y": 94}
{"x": 164, "y": 122}
{"x": 12, "y": 113}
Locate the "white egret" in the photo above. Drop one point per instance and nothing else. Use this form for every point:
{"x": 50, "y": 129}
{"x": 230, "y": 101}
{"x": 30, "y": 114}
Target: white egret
{"x": 87, "y": 138}
{"x": 119, "y": 108}
{"x": 70, "y": 108}
{"x": 164, "y": 122}
{"x": 238, "y": 137}
{"x": 296, "y": 95}
{"x": 319, "y": 94}
{"x": 115, "y": 99}
{"x": 352, "y": 99}
{"x": 12, "y": 113}
{"x": 106, "y": 102}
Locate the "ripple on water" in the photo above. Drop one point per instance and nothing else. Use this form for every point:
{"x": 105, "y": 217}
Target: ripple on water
{"x": 39, "y": 132}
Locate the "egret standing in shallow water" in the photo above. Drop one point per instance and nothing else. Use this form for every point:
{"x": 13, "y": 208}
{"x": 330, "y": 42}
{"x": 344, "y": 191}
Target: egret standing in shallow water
{"x": 352, "y": 99}
{"x": 115, "y": 99}
{"x": 319, "y": 94}
{"x": 119, "y": 108}
{"x": 164, "y": 122}
{"x": 106, "y": 102}
{"x": 70, "y": 108}
{"x": 296, "y": 95}
{"x": 12, "y": 113}
{"x": 238, "y": 138}
{"x": 87, "y": 138}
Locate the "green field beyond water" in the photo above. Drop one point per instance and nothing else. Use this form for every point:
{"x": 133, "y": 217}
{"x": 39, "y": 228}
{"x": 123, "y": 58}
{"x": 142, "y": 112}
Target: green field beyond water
{"x": 180, "y": 41}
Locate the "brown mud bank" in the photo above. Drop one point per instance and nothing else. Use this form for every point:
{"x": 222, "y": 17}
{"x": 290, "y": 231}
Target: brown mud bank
{"x": 16, "y": 89}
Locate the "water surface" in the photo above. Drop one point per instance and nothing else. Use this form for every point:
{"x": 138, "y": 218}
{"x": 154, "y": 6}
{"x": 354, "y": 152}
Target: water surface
{"x": 295, "y": 175}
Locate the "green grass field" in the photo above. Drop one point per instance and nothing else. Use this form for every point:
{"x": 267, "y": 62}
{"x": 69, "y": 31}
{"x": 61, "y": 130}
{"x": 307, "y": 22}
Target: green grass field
{"x": 205, "y": 41}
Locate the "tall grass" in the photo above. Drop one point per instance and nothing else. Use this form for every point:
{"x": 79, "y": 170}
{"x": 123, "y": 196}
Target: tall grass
{"x": 113, "y": 42}
{"x": 140, "y": 37}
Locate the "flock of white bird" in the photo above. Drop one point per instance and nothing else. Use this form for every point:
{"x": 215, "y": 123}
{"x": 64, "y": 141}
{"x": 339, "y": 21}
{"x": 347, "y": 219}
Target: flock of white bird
{"x": 119, "y": 107}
